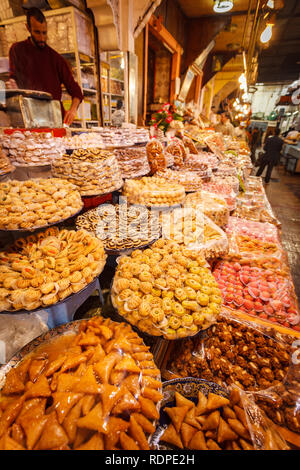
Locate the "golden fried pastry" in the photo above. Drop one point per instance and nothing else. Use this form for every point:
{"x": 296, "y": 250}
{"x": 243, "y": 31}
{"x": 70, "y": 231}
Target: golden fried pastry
{"x": 29, "y": 285}
{"x": 206, "y": 425}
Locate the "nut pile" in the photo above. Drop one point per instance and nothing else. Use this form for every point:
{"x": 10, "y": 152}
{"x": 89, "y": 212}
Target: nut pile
{"x": 93, "y": 171}
{"x": 37, "y": 203}
{"x": 235, "y": 353}
{"x": 121, "y": 227}
{"x": 153, "y": 192}
{"x": 155, "y": 156}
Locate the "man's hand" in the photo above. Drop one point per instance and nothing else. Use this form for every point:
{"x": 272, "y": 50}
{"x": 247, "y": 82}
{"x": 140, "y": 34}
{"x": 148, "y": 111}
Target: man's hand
{"x": 11, "y": 84}
{"x": 69, "y": 117}
{"x": 71, "y": 114}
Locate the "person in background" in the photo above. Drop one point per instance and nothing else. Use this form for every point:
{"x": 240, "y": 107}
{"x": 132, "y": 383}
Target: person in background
{"x": 224, "y": 126}
{"x": 118, "y": 116}
{"x": 36, "y": 66}
{"x": 254, "y": 143}
{"x": 271, "y": 158}
{"x": 240, "y": 132}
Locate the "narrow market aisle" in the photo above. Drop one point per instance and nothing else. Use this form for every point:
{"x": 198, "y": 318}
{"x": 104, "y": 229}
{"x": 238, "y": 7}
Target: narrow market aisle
{"x": 284, "y": 196}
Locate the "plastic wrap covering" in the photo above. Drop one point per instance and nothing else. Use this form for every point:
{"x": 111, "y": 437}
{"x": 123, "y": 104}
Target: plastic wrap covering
{"x": 92, "y": 171}
{"x": 197, "y": 164}
{"x": 189, "y": 144}
{"x": 264, "y": 232}
{"x": 191, "y": 228}
{"x": 132, "y": 162}
{"x": 190, "y": 180}
{"x": 215, "y": 143}
{"x": 212, "y": 205}
{"x": 200, "y": 415}
{"x": 31, "y": 204}
{"x": 155, "y": 155}
{"x": 281, "y": 402}
{"x": 85, "y": 140}
{"x": 5, "y": 165}
{"x": 177, "y": 149}
{"x": 226, "y": 170}
{"x": 161, "y": 290}
{"x": 42, "y": 269}
{"x": 32, "y": 148}
{"x": 234, "y": 351}
{"x": 223, "y": 190}
{"x": 258, "y": 292}
{"x": 95, "y": 388}
{"x": 121, "y": 227}
{"x": 153, "y": 192}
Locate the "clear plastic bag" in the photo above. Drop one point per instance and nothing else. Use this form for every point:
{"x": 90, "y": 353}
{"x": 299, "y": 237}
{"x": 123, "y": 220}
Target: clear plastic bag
{"x": 255, "y": 207}
{"x": 231, "y": 181}
{"x": 213, "y": 206}
{"x": 263, "y": 231}
{"x": 190, "y": 180}
{"x": 155, "y": 155}
{"x": 234, "y": 351}
{"x": 97, "y": 355}
{"x": 223, "y": 190}
{"x": 166, "y": 299}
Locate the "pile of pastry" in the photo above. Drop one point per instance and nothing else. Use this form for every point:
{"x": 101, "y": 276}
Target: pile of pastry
{"x": 92, "y": 171}
{"x": 94, "y": 389}
{"x": 37, "y": 203}
{"x": 121, "y": 227}
{"x": 5, "y": 165}
{"x": 42, "y": 269}
{"x": 155, "y": 192}
{"x": 32, "y": 148}
{"x": 166, "y": 291}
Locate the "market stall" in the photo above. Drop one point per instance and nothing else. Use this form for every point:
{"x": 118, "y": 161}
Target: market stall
{"x": 146, "y": 298}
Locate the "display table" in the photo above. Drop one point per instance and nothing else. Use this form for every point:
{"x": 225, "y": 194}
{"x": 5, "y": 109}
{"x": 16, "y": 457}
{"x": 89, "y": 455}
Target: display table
{"x": 291, "y": 154}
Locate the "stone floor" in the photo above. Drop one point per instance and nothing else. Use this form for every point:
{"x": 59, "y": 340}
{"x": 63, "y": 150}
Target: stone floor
{"x": 283, "y": 192}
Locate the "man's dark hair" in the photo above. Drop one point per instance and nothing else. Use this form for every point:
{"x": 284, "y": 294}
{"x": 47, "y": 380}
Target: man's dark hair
{"x": 35, "y": 13}
{"x": 119, "y": 104}
{"x": 277, "y": 131}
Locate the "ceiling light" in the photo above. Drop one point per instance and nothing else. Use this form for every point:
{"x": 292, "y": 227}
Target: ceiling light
{"x": 266, "y": 34}
{"x": 270, "y": 4}
{"x": 222, "y": 6}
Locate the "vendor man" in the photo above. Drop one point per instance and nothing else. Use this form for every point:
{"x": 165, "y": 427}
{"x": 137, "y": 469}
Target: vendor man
{"x": 36, "y": 66}
{"x": 224, "y": 126}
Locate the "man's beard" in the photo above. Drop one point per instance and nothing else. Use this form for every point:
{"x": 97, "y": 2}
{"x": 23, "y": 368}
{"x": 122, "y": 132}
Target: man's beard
{"x": 40, "y": 44}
